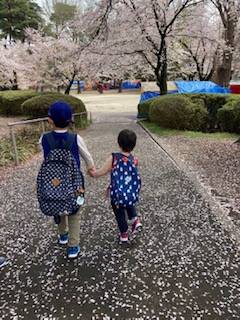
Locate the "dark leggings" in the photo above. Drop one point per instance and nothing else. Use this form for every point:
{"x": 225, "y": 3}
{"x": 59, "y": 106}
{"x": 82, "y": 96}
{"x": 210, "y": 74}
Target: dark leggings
{"x": 120, "y": 214}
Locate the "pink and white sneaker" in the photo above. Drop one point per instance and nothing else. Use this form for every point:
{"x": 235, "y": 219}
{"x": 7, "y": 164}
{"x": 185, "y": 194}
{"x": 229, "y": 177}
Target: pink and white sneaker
{"x": 123, "y": 237}
{"x": 136, "y": 226}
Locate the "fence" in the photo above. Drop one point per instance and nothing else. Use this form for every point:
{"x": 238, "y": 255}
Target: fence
{"x": 39, "y": 120}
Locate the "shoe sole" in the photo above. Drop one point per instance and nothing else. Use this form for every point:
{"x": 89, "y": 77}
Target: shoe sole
{"x": 123, "y": 242}
{"x": 73, "y": 256}
{"x": 4, "y": 264}
{"x": 137, "y": 231}
{"x": 62, "y": 242}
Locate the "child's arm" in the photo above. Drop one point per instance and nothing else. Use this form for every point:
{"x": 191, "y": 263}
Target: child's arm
{"x": 85, "y": 154}
{"x": 107, "y": 167}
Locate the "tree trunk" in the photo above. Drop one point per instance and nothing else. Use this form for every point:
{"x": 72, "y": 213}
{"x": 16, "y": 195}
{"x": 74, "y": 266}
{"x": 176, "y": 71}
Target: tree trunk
{"x": 224, "y": 68}
{"x": 120, "y": 86}
{"x": 67, "y": 91}
{"x": 161, "y": 73}
{"x": 78, "y": 87}
{"x": 15, "y": 82}
{"x": 223, "y": 73}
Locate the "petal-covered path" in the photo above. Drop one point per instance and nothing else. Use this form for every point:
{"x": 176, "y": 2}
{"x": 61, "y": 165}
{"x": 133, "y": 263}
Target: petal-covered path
{"x": 184, "y": 265}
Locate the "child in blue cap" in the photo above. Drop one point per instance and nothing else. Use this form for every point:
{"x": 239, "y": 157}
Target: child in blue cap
{"x": 60, "y": 117}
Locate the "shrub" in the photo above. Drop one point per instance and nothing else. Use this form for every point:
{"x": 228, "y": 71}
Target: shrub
{"x": 143, "y": 108}
{"x": 38, "y": 106}
{"x": 178, "y": 112}
{"x": 11, "y": 101}
{"x": 229, "y": 116}
{"x": 212, "y": 102}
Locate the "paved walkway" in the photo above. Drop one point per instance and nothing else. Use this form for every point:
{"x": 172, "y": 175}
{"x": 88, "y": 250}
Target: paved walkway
{"x": 184, "y": 266}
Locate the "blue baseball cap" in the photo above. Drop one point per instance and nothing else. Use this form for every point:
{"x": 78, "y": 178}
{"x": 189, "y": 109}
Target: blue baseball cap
{"x": 61, "y": 114}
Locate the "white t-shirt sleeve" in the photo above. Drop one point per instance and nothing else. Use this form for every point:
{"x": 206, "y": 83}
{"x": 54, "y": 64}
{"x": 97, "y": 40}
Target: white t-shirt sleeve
{"x": 84, "y": 153}
{"x": 40, "y": 143}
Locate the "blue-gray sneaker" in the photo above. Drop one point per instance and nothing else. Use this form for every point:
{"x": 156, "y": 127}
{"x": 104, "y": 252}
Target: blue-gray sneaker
{"x": 63, "y": 238}
{"x": 73, "y": 252}
{"x": 3, "y": 262}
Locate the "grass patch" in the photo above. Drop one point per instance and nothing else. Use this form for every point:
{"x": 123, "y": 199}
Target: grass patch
{"x": 27, "y": 145}
{"x": 164, "y": 132}
{"x": 81, "y": 122}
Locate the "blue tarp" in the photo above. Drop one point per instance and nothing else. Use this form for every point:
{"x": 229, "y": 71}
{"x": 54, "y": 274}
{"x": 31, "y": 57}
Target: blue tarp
{"x": 152, "y": 94}
{"x": 148, "y": 95}
{"x": 199, "y": 87}
{"x": 75, "y": 85}
{"x": 188, "y": 87}
{"x": 131, "y": 85}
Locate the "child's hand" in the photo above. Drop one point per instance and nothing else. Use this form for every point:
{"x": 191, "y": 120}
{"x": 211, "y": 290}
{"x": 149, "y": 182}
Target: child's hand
{"x": 92, "y": 172}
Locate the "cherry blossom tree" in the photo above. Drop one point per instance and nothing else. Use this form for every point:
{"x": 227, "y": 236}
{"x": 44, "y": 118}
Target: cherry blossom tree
{"x": 54, "y": 62}
{"x": 229, "y": 13}
{"x": 129, "y": 38}
{"x": 9, "y": 66}
{"x": 195, "y": 51}
{"x": 144, "y": 28}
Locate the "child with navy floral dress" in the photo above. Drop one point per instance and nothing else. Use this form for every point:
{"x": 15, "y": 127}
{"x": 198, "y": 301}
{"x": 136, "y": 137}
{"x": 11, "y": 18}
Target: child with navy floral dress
{"x": 125, "y": 184}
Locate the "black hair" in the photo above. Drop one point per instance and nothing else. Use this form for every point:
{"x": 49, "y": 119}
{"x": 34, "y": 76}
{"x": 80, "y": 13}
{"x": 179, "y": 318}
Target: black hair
{"x": 127, "y": 140}
{"x": 62, "y": 124}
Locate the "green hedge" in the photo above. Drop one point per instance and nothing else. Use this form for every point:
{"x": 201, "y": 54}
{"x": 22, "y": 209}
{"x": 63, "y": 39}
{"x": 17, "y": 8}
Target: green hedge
{"x": 212, "y": 102}
{"x": 38, "y": 106}
{"x": 229, "y": 116}
{"x": 143, "y": 108}
{"x": 178, "y": 112}
{"x": 11, "y": 101}
{"x": 216, "y": 120}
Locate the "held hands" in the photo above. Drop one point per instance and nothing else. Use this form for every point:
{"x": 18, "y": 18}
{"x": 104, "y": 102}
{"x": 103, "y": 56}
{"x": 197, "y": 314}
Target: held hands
{"x": 92, "y": 172}
{"x": 106, "y": 168}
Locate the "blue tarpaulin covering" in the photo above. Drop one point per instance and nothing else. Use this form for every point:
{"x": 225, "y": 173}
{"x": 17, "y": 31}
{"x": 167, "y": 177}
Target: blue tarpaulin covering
{"x": 75, "y": 85}
{"x": 188, "y": 87}
{"x": 148, "y": 95}
{"x": 199, "y": 87}
{"x": 131, "y": 85}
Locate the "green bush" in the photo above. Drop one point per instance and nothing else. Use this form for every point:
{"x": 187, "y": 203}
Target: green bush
{"x": 210, "y": 119}
{"x": 38, "y": 106}
{"x": 11, "y": 101}
{"x": 212, "y": 102}
{"x": 178, "y": 112}
{"x": 229, "y": 116}
{"x": 144, "y": 107}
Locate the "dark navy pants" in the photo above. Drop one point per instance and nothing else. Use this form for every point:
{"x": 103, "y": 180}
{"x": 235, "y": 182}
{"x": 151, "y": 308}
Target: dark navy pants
{"x": 120, "y": 214}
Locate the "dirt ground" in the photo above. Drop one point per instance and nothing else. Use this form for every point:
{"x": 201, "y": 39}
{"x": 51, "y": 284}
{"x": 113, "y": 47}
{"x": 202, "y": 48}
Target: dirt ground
{"x": 125, "y": 105}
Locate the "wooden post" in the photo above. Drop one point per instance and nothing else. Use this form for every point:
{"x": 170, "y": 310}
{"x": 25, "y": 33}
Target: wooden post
{"x": 14, "y": 146}
{"x": 43, "y": 127}
{"x": 74, "y": 126}
{"x": 90, "y": 117}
